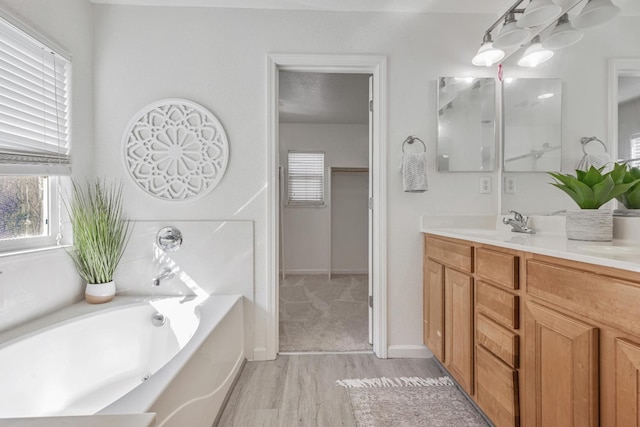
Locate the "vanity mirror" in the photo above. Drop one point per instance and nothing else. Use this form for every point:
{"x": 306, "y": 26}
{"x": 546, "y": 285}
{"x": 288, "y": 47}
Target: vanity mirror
{"x": 624, "y": 105}
{"x": 532, "y": 125}
{"x": 466, "y": 124}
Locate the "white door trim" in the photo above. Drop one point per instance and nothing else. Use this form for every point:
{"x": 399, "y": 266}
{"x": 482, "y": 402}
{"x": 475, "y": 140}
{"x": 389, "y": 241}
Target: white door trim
{"x": 363, "y": 64}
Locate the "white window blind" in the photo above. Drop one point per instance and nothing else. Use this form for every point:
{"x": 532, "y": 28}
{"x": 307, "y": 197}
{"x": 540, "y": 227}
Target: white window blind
{"x": 635, "y": 146}
{"x": 34, "y": 106}
{"x": 306, "y": 178}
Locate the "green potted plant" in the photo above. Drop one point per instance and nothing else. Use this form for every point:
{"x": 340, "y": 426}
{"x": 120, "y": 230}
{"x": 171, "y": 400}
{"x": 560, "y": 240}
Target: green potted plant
{"x": 590, "y": 190}
{"x": 631, "y": 198}
{"x": 100, "y": 236}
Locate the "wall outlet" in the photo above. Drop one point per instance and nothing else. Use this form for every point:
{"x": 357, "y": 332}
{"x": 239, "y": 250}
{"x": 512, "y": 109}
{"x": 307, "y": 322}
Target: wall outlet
{"x": 510, "y": 184}
{"x": 485, "y": 184}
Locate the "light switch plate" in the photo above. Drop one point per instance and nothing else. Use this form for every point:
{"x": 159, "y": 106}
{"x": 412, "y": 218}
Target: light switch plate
{"x": 510, "y": 184}
{"x": 485, "y": 185}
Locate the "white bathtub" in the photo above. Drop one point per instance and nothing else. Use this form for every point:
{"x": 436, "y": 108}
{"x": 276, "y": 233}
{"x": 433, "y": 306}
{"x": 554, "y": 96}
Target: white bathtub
{"x": 111, "y": 359}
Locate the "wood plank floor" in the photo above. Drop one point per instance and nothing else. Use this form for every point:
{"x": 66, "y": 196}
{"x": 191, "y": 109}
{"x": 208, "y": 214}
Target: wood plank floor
{"x": 300, "y": 390}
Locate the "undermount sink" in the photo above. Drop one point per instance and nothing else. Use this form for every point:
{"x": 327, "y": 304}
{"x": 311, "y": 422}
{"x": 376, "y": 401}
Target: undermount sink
{"x": 611, "y": 250}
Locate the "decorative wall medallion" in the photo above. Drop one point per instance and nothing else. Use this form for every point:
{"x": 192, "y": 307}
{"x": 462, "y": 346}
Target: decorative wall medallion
{"x": 175, "y": 149}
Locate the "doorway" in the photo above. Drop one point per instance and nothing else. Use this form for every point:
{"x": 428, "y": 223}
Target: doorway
{"x": 375, "y": 66}
{"x": 324, "y": 144}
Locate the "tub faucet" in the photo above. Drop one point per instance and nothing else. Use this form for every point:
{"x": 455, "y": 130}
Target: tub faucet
{"x": 518, "y": 223}
{"x": 166, "y": 273}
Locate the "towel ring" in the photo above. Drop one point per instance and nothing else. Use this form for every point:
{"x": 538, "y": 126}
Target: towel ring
{"x": 409, "y": 140}
{"x": 586, "y": 139}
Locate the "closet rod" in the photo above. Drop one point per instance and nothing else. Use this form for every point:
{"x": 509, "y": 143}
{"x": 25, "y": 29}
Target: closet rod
{"x": 350, "y": 170}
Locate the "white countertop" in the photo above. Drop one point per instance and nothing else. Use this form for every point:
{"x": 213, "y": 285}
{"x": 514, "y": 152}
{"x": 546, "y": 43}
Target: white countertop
{"x": 622, "y": 254}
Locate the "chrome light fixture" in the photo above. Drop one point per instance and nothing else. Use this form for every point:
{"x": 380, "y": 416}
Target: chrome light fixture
{"x": 487, "y": 54}
{"x": 563, "y": 35}
{"x": 596, "y": 12}
{"x": 535, "y": 54}
{"x": 539, "y": 12}
{"x": 510, "y": 34}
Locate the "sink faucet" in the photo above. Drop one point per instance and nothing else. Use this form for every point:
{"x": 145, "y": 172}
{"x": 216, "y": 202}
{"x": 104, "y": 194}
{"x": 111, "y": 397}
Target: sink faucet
{"x": 166, "y": 273}
{"x": 518, "y": 223}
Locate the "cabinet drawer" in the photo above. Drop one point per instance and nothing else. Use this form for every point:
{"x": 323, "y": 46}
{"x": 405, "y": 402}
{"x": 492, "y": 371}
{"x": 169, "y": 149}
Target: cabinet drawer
{"x": 453, "y": 254}
{"x": 497, "y": 390}
{"x": 500, "y": 341}
{"x": 604, "y": 299}
{"x": 498, "y": 267}
{"x": 499, "y": 305}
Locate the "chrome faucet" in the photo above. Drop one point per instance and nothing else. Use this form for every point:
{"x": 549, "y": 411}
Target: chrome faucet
{"x": 166, "y": 273}
{"x": 518, "y": 223}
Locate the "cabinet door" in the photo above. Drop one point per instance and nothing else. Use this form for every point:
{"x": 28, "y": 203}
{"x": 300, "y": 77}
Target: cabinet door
{"x": 627, "y": 377}
{"x": 561, "y": 369}
{"x": 496, "y": 389}
{"x": 433, "y": 294}
{"x": 459, "y": 327}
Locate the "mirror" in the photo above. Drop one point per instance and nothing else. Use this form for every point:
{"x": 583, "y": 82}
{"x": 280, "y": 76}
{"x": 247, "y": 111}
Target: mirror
{"x": 625, "y": 76}
{"x": 466, "y": 124}
{"x": 532, "y": 125}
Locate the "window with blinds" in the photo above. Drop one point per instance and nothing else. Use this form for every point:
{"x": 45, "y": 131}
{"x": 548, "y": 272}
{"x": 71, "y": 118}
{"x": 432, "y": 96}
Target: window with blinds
{"x": 34, "y": 106}
{"x": 306, "y": 178}
{"x": 34, "y": 136}
{"x": 635, "y": 146}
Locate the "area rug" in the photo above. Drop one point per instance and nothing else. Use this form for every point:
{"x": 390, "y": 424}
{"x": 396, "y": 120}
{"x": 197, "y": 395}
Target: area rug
{"x": 410, "y": 402}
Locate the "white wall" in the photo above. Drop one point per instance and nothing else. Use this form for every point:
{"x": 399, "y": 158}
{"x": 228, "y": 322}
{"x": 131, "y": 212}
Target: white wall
{"x": 349, "y": 222}
{"x": 307, "y": 230}
{"x": 34, "y": 284}
{"x": 217, "y": 57}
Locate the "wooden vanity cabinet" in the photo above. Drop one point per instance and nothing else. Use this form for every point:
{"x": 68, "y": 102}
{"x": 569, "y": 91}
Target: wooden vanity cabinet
{"x": 561, "y": 365}
{"x": 433, "y": 294}
{"x": 448, "y": 307}
{"x": 585, "y": 318}
{"x": 458, "y": 308}
{"x": 535, "y": 340}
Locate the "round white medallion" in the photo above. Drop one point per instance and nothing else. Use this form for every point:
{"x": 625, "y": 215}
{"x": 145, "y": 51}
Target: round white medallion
{"x": 175, "y": 149}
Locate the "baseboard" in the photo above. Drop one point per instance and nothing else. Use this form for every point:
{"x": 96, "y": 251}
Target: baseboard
{"x": 408, "y": 352}
{"x": 259, "y": 354}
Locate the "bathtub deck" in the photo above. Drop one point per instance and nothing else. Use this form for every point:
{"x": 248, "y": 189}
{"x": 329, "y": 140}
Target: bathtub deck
{"x": 300, "y": 390}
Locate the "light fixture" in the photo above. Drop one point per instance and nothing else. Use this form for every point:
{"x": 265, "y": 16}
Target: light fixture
{"x": 563, "y": 35}
{"x": 596, "y": 12}
{"x": 539, "y": 12}
{"x": 535, "y": 54}
{"x": 546, "y": 95}
{"x": 510, "y": 34}
{"x": 487, "y": 55}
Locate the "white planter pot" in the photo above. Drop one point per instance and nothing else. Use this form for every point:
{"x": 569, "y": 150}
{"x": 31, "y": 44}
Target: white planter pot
{"x": 99, "y": 293}
{"x": 594, "y": 225}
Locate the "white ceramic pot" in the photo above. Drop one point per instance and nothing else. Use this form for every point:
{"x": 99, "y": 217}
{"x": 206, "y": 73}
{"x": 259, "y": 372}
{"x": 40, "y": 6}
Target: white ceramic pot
{"x": 595, "y": 225}
{"x": 99, "y": 293}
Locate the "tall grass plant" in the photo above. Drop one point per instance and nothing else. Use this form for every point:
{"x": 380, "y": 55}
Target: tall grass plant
{"x": 100, "y": 230}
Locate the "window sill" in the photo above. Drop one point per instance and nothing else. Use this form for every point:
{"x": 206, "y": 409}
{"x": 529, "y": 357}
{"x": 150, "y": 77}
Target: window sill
{"x": 15, "y": 252}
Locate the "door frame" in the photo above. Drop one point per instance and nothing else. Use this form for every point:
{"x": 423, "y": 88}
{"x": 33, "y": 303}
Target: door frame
{"x": 360, "y": 64}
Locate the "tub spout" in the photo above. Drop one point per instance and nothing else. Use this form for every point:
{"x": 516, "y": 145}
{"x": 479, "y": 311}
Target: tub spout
{"x": 164, "y": 274}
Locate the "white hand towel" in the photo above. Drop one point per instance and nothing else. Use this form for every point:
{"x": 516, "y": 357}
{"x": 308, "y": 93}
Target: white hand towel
{"x": 414, "y": 172}
{"x": 595, "y": 160}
